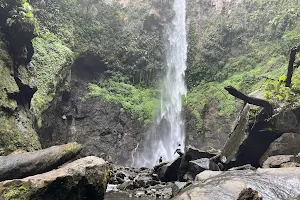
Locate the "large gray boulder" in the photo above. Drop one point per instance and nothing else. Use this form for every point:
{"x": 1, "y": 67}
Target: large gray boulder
{"x": 286, "y": 144}
{"x": 85, "y": 178}
{"x": 200, "y": 165}
{"x": 168, "y": 172}
{"x": 281, "y": 183}
{"x": 31, "y": 163}
{"x": 282, "y": 161}
{"x": 191, "y": 154}
{"x": 250, "y": 138}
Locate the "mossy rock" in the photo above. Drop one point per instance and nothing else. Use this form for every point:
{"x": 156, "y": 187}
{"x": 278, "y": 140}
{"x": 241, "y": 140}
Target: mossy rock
{"x": 8, "y": 85}
{"x": 16, "y": 132}
{"x": 52, "y": 61}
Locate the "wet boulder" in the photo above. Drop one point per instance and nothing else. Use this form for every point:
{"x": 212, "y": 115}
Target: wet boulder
{"x": 144, "y": 180}
{"x": 286, "y": 144}
{"x": 168, "y": 172}
{"x": 282, "y": 161}
{"x": 288, "y": 119}
{"x": 85, "y": 178}
{"x": 250, "y": 138}
{"x": 200, "y": 165}
{"x": 31, "y": 163}
{"x": 279, "y": 183}
{"x": 193, "y": 153}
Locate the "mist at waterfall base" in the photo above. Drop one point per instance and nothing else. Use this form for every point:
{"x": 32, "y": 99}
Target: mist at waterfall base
{"x": 167, "y": 132}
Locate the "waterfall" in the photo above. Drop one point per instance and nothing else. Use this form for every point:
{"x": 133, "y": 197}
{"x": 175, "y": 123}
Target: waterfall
{"x": 167, "y": 131}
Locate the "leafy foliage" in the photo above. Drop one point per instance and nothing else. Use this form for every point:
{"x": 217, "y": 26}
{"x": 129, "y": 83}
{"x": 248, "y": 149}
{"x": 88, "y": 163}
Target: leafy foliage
{"x": 242, "y": 48}
{"x": 52, "y": 61}
{"x": 114, "y": 32}
{"x": 142, "y": 103}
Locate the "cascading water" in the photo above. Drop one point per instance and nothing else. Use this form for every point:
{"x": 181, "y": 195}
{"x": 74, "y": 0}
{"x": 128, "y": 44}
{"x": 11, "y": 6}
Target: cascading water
{"x": 168, "y": 131}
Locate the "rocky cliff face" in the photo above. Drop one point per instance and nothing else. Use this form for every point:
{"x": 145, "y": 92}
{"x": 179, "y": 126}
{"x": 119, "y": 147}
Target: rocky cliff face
{"x": 103, "y": 129}
{"x": 93, "y": 42}
{"x": 126, "y": 51}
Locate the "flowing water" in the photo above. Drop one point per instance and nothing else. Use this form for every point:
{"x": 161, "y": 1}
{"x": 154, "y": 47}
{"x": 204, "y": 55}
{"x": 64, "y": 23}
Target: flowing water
{"x": 168, "y": 130}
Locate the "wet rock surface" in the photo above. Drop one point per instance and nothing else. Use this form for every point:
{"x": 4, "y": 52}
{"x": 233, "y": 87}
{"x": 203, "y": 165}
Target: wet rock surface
{"x": 282, "y": 183}
{"x": 200, "y": 165}
{"x": 168, "y": 172}
{"x": 286, "y": 144}
{"x": 282, "y": 161}
{"x": 143, "y": 183}
{"x": 250, "y": 138}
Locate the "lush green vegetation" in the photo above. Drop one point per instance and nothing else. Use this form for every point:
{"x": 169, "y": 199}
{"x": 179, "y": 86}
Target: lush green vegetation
{"x": 142, "y": 103}
{"x": 245, "y": 49}
{"x": 52, "y": 61}
{"x": 114, "y": 32}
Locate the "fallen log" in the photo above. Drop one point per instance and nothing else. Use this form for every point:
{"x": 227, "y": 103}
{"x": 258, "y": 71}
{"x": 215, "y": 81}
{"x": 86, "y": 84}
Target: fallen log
{"x": 32, "y": 163}
{"x": 250, "y": 100}
{"x": 85, "y": 178}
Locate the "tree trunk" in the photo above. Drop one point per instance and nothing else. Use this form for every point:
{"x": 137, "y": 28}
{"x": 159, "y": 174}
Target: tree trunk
{"x": 289, "y": 75}
{"x": 32, "y": 163}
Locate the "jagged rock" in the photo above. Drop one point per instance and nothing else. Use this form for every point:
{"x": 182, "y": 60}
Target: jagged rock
{"x": 156, "y": 167}
{"x": 120, "y": 174}
{"x": 193, "y": 153}
{"x": 280, "y": 183}
{"x": 286, "y": 144}
{"x": 169, "y": 171}
{"x": 288, "y": 120}
{"x": 199, "y": 165}
{"x": 249, "y": 194}
{"x": 119, "y": 180}
{"x": 85, "y": 178}
{"x": 277, "y": 161}
{"x": 211, "y": 150}
{"x": 31, "y": 163}
{"x": 144, "y": 180}
{"x": 250, "y": 138}
{"x": 126, "y": 186}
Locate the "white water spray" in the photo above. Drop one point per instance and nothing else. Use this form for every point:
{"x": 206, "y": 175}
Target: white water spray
{"x": 168, "y": 131}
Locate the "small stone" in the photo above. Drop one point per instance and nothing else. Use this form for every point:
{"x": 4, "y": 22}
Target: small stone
{"x": 139, "y": 193}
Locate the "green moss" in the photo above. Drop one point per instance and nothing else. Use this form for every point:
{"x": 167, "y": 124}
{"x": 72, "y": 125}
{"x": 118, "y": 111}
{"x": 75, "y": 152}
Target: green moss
{"x": 7, "y": 83}
{"x": 113, "y": 32}
{"x": 243, "y": 49}
{"x": 16, "y": 193}
{"x": 72, "y": 148}
{"x": 16, "y": 132}
{"x": 52, "y": 61}
{"x": 209, "y": 95}
{"x": 275, "y": 90}
{"x": 141, "y": 103}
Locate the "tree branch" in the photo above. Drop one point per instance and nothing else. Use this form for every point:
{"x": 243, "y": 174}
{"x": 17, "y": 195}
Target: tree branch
{"x": 251, "y": 100}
